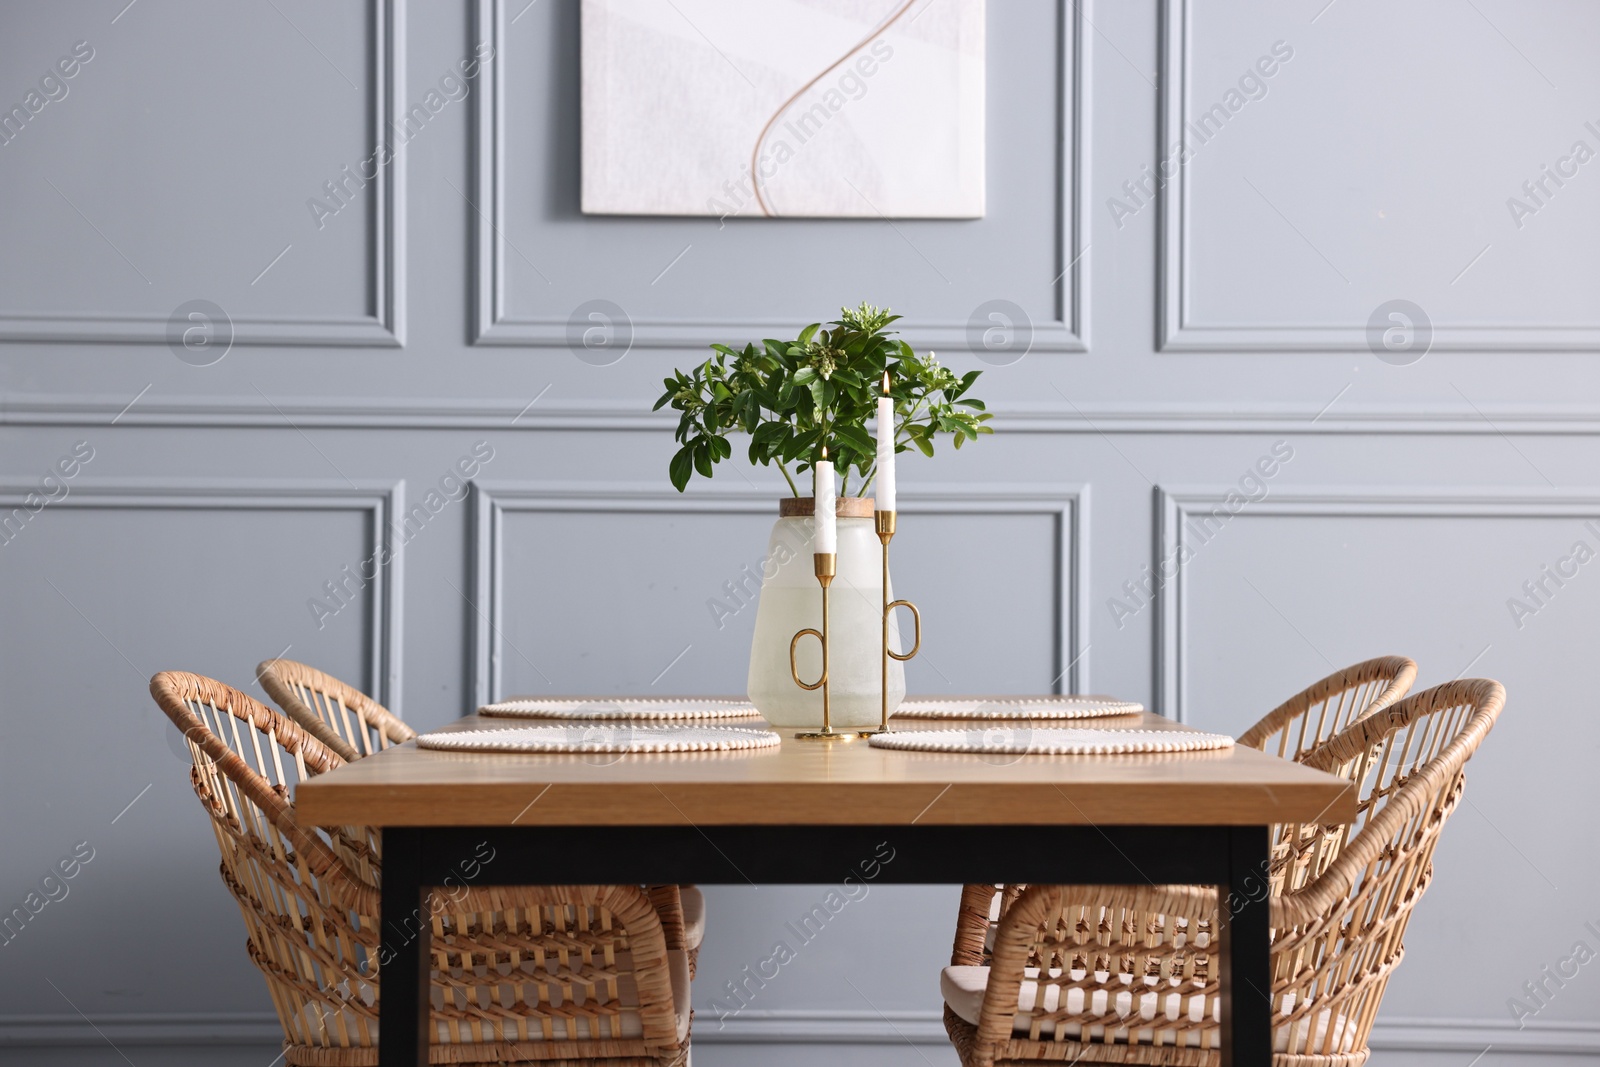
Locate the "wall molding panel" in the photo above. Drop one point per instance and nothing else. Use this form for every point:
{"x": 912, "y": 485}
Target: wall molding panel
{"x": 1177, "y": 331}
{"x": 384, "y": 324}
{"x": 494, "y": 324}
{"x": 385, "y": 413}
{"x": 1066, "y": 504}
{"x": 383, "y": 504}
{"x": 1175, "y": 506}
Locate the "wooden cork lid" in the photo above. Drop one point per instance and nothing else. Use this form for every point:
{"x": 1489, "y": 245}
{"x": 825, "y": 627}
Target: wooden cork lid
{"x": 849, "y": 507}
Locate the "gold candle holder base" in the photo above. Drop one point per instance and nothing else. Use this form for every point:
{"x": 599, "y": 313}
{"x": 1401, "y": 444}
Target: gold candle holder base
{"x": 825, "y": 567}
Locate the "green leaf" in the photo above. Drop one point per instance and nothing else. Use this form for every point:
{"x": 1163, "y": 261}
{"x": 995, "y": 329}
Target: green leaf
{"x": 819, "y": 393}
{"x": 681, "y": 468}
{"x": 856, "y": 437}
{"x": 804, "y": 444}
{"x": 769, "y": 432}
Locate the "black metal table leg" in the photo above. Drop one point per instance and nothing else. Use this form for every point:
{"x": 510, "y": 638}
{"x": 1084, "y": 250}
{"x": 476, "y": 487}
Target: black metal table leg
{"x": 403, "y": 953}
{"x": 1246, "y": 951}
{"x": 1233, "y": 859}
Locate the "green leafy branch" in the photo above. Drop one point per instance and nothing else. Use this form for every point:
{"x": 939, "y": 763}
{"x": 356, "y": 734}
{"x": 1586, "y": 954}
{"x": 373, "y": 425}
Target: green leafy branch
{"x": 793, "y": 397}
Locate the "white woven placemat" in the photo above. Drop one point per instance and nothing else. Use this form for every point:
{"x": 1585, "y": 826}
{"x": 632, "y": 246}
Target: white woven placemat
{"x": 1043, "y": 741}
{"x": 585, "y": 738}
{"x": 1048, "y": 707}
{"x": 630, "y": 708}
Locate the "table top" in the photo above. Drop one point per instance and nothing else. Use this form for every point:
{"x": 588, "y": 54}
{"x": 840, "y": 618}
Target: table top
{"x": 823, "y": 783}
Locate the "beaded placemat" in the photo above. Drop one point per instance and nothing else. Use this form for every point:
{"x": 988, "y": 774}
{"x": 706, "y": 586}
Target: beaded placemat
{"x": 1045, "y": 741}
{"x": 1043, "y": 707}
{"x": 627, "y": 708}
{"x": 587, "y": 738}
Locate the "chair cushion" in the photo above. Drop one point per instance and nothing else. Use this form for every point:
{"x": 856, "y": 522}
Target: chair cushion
{"x": 963, "y": 989}
{"x": 694, "y": 916}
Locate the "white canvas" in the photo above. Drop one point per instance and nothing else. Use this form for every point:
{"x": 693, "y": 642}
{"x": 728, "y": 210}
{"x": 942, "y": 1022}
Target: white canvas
{"x": 845, "y": 108}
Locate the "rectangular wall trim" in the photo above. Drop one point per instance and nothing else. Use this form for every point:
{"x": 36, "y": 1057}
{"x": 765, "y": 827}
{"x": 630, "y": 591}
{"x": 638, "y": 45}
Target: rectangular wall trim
{"x": 1067, "y": 504}
{"x": 494, "y": 325}
{"x": 1175, "y": 506}
{"x": 384, "y": 324}
{"x": 382, "y": 502}
{"x": 399, "y": 413}
{"x": 1176, "y": 331}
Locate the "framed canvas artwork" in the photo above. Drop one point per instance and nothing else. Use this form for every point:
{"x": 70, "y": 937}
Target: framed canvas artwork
{"x": 784, "y": 108}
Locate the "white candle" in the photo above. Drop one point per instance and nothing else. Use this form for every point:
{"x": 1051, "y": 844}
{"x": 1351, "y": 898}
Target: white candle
{"x": 825, "y": 520}
{"x": 885, "y": 491}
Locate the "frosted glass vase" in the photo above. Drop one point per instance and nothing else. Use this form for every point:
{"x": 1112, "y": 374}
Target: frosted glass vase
{"x": 791, "y": 600}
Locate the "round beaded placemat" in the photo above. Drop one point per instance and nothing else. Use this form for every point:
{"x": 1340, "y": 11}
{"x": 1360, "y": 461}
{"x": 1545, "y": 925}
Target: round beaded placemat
{"x": 1046, "y": 707}
{"x": 627, "y": 708}
{"x": 588, "y": 738}
{"x": 1044, "y": 741}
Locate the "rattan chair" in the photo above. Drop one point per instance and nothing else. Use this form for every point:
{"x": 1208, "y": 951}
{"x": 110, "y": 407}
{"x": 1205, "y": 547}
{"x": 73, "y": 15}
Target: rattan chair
{"x": 1122, "y": 974}
{"x": 341, "y": 716}
{"x": 1292, "y": 730}
{"x": 564, "y": 975}
{"x": 353, "y": 725}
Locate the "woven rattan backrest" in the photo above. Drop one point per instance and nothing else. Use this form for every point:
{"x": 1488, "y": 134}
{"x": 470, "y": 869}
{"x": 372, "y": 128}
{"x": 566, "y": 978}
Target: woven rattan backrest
{"x": 344, "y": 718}
{"x": 312, "y": 921}
{"x": 1337, "y": 938}
{"x": 1385, "y": 751}
{"x": 1298, "y": 725}
{"x": 1340, "y": 936}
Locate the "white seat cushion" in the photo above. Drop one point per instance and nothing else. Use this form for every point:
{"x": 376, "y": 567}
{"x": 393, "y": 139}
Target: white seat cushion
{"x": 963, "y": 989}
{"x": 694, "y": 916}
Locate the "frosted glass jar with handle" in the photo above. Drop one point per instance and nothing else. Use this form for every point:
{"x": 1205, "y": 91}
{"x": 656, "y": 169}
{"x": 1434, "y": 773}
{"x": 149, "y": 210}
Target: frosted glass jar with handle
{"x": 791, "y": 600}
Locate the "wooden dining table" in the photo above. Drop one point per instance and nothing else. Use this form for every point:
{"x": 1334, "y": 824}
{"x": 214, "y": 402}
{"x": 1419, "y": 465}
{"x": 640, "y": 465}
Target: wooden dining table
{"x": 807, "y": 812}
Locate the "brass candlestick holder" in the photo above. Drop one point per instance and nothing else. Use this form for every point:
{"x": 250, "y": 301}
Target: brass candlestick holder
{"x": 884, "y": 523}
{"x": 826, "y": 564}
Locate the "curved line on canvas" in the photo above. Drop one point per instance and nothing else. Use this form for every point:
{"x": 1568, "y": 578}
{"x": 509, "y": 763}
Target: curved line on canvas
{"x": 755, "y": 178}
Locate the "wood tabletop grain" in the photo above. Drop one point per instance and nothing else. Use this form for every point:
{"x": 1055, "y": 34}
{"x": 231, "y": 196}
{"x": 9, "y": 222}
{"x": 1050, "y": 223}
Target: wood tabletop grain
{"x": 812, "y": 783}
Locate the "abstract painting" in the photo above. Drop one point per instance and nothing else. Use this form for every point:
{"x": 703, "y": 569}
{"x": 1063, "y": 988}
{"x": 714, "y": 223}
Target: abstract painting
{"x": 784, "y": 108}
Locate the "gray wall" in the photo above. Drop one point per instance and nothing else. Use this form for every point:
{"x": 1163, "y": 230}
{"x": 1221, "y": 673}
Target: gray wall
{"x": 1176, "y": 338}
